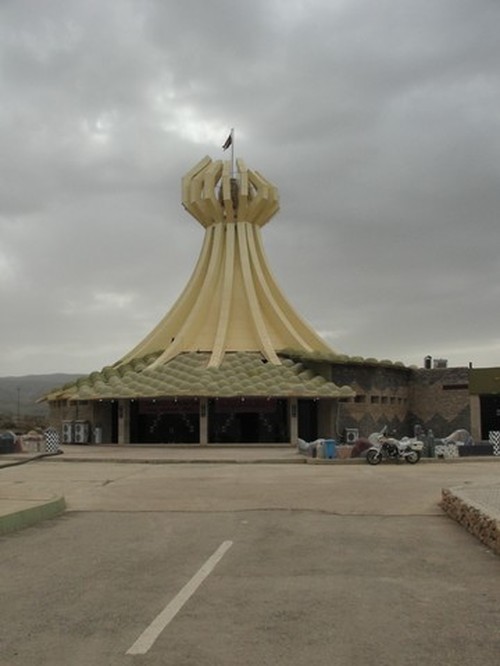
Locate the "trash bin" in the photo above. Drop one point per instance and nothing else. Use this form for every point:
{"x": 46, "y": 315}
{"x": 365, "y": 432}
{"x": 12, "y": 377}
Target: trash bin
{"x": 330, "y": 448}
{"x": 7, "y": 442}
{"x": 52, "y": 440}
{"x": 320, "y": 449}
{"x": 494, "y": 439}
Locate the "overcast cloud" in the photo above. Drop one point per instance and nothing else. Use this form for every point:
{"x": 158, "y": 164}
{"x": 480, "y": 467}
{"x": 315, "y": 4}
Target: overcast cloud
{"x": 378, "y": 121}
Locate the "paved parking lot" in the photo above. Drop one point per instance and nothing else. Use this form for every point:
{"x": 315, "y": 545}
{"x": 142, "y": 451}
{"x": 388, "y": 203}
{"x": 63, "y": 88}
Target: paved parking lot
{"x": 326, "y": 565}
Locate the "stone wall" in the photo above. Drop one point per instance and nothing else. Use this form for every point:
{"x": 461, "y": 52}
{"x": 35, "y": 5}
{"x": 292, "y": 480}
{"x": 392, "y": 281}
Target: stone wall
{"x": 474, "y": 518}
{"x": 402, "y": 398}
{"x": 382, "y": 398}
{"x": 439, "y": 400}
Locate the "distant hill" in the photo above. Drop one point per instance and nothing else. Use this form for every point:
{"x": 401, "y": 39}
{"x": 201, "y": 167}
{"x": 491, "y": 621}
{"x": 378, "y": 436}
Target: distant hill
{"x": 19, "y": 394}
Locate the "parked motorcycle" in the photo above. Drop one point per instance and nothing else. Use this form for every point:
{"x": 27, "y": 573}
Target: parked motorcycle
{"x": 389, "y": 448}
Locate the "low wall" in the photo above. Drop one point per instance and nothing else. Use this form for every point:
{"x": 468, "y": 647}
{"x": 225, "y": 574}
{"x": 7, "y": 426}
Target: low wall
{"x": 475, "y": 518}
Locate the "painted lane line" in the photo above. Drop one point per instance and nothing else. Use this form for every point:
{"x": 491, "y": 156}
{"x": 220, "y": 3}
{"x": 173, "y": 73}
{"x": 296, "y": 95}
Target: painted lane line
{"x": 151, "y": 633}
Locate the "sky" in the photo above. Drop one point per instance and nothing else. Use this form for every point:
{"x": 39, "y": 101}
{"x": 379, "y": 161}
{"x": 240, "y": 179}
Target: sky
{"x": 379, "y": 123}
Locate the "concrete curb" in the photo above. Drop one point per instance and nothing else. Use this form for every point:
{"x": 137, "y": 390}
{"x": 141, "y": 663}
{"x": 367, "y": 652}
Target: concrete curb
{"x": 32, "y": 515}
{"x": 300, "y": 460}
{"x": 424, "y": 461}
{"x": 14, "y": 459}
{"x": 187, "y": 461}
{"x": 165, "y": 458}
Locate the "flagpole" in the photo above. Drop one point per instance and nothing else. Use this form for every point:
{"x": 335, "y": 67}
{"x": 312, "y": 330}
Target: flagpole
{"x": 229, "y": 142}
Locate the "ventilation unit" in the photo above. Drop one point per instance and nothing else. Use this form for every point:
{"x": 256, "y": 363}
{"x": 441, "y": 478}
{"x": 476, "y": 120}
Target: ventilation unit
{"x": 81, "y": 432}
{"x": 67, "y": 432}
{"x": 351, "y": 435}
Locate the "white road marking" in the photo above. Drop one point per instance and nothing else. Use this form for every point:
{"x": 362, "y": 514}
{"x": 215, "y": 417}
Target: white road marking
{"x": 151, "y": 633}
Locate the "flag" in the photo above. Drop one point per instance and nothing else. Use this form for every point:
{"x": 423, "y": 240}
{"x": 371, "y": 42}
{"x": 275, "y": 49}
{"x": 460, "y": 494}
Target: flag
{"x": 228, "y": 142}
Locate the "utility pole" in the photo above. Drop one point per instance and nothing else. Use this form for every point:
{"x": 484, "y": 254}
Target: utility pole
{"x": 18, "y": 406}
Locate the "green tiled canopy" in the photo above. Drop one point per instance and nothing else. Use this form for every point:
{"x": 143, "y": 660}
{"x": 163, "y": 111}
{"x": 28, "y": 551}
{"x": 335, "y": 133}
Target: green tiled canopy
{"x": 240, "y": 374}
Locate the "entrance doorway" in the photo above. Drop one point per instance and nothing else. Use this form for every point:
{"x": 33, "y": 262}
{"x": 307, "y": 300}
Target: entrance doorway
{"x": 490, "y": 414}
{"x": 308, "y": 420}
{"x": 247, "y": 420}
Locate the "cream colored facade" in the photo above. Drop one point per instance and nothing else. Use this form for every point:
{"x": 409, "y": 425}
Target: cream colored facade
{"x": 232, "y": 302}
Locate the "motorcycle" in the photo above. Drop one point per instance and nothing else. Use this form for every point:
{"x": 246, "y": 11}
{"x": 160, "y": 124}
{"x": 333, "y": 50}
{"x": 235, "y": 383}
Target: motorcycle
{"x": 389, "y": 448}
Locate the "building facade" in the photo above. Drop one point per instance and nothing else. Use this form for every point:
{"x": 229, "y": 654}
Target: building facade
{"x": 383, "y": 395}
{"x": 232, "y": 362}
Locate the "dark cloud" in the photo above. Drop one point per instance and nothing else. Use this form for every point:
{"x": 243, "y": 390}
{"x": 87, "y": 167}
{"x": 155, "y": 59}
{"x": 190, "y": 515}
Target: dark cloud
{"x": 378, "y": 122}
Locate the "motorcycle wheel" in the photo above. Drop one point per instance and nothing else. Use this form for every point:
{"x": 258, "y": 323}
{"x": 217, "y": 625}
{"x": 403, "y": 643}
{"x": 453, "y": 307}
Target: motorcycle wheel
{"x": 373, "y": 457}
{"x": 412, "y": 457}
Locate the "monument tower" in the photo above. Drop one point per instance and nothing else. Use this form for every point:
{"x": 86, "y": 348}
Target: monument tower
{"x": 232, "y": 302}
{"x": 221, "y": 366}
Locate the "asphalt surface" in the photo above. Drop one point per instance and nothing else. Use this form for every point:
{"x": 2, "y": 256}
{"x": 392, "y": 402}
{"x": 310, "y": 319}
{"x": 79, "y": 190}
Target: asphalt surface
{"x": 327, "y": 564}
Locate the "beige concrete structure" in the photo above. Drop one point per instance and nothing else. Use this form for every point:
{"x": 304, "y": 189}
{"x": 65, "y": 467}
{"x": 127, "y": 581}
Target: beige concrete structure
{"x": 232, "y": 302}
{"x": 217, "y": 367}
{"x": 232, "y": 362}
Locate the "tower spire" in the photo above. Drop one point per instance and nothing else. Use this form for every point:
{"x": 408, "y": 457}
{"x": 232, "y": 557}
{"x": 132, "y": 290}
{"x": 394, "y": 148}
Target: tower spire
{"x": 232, "y": 302}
